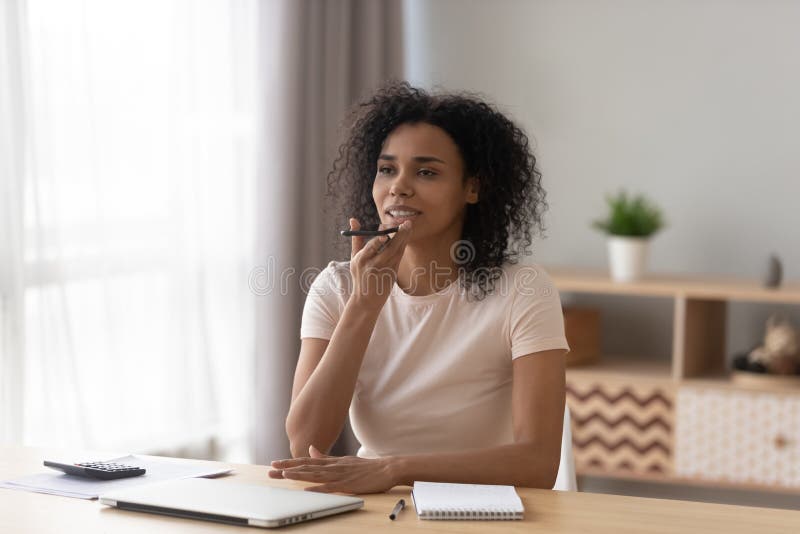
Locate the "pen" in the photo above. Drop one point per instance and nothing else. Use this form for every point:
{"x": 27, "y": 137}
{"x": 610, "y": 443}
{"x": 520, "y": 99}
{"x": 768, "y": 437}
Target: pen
{"x": 397, "y": 507}
{"x": 351, "y": 233}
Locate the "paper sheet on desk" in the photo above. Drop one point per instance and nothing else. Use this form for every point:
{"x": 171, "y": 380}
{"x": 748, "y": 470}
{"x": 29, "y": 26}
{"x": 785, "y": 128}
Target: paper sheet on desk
{"x": 86, "y": 488}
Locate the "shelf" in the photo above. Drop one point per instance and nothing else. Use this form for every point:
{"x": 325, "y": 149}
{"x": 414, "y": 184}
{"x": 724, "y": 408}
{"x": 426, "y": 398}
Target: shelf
{"x": 619, "y": 433}
{"x": 623, "y": 368}
{"x": 703, "y": 287}
{"x": 723, "y": 381}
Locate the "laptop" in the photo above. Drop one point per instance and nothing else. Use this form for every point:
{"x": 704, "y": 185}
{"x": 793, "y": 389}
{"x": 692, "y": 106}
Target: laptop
{"x": 230, "y": 502}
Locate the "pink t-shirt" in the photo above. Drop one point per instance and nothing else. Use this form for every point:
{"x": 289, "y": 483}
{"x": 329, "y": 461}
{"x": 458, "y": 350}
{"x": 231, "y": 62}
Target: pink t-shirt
{"x": 437, "y": 372}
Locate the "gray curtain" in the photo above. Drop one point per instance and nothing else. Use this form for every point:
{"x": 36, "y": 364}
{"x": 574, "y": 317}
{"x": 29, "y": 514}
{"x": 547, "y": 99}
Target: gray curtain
{"x": 334, "y": 52}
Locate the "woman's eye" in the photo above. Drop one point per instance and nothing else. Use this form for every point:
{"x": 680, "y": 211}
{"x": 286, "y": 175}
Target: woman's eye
{"x": 421, "y": 172}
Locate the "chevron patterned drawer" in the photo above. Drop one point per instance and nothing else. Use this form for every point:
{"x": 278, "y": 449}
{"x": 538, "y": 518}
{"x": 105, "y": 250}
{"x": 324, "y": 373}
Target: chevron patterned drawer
{"x": 621, "y": 429}
{"x": 738, "y": 436}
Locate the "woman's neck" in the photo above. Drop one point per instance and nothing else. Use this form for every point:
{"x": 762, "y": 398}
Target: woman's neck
{"x": 426, "y": 268}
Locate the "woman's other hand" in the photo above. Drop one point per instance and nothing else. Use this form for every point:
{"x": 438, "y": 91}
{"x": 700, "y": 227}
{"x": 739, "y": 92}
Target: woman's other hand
{"x": 344, "y": 474}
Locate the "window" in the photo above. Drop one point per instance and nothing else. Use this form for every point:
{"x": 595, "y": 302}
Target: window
{"x": 137, "y": 150}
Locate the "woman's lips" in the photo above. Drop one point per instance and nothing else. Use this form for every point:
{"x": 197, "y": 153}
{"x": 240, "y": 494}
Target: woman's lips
{"x": 400, "y": 218}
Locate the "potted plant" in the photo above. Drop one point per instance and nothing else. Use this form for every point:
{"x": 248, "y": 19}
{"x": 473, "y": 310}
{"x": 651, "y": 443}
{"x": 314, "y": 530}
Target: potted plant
{"x": 630, "y": 224}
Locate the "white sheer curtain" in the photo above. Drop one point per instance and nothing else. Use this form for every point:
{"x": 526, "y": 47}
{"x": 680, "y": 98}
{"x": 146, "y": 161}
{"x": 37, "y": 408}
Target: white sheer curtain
{"x": 128, "y": 156}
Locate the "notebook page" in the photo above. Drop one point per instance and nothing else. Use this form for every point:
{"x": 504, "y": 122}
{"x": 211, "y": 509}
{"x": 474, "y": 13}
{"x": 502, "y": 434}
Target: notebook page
{"x": 159, "y": 469}
{"x": 438, "y": 500}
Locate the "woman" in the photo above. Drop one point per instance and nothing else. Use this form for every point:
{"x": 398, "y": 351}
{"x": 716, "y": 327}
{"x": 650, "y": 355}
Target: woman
{"x": 448, "y": 354}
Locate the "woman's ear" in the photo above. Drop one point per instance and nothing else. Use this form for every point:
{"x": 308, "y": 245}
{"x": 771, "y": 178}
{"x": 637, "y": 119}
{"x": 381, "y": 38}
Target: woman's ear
{"x": 473, "y": 190}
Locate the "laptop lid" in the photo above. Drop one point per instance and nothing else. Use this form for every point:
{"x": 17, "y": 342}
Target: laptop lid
{"x": 230, "y": 502}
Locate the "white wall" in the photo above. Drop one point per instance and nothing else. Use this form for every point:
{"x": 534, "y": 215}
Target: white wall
{"x": 694, "y": 103}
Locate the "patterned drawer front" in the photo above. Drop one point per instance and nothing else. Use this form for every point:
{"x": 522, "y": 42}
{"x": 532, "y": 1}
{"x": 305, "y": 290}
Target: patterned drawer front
{"x": 621, "y": 429}
{"x": 738, "y": 436}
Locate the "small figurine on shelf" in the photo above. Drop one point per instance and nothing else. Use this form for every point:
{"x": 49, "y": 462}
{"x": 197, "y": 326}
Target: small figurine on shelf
{"x": 780, "y": 353}
{"x": 774, "y": 273}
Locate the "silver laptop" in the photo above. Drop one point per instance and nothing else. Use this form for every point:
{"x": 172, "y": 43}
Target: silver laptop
{"x": 230, "y": 502}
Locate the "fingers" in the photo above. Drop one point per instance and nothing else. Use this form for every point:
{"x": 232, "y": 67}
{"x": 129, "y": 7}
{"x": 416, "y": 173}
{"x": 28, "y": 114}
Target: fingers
{"x": 357, "y": 242}
{"x": 297, "y": 462}
{"x": 313, "y": 452}
{"x": 295, "y": 473}
{"x": 397, "y": 245}
{"x": 378, "y": 245}
{"x": 386, "y": 241}
{"x": 319, "y": 473}
{"x": 393, "y": 245}
{"x": 371, "y": 249}
{"x": 302, "y": 472}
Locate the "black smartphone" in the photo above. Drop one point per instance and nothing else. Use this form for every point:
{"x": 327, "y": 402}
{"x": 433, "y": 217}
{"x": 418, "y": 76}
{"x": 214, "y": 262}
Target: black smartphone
{"x": 369, "y": 233}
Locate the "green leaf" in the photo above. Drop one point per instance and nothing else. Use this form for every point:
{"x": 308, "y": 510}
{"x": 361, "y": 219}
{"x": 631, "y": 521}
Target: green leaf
{"x": 631, "y": 217}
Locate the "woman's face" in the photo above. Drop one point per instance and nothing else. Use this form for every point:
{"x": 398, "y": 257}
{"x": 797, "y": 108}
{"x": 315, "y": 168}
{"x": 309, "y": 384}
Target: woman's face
{"x": 420, "y": 176}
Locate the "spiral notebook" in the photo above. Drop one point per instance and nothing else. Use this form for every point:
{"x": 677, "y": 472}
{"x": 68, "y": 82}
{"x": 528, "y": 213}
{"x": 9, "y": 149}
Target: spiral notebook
{"x": 438, "y": 500}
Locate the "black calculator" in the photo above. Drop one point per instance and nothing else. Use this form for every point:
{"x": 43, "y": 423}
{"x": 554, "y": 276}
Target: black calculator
{"x": 101, "y": 470}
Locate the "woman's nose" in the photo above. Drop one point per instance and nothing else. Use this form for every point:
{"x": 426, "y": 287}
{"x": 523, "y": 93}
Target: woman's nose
{"x": 401, "y": 187}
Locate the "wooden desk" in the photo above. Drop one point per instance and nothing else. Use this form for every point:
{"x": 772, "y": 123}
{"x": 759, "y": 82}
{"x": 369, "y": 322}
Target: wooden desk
{"x": 545, "y": 511}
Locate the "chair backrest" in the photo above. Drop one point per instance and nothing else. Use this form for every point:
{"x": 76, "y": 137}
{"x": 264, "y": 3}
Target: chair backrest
{"x": 566, "y": 480}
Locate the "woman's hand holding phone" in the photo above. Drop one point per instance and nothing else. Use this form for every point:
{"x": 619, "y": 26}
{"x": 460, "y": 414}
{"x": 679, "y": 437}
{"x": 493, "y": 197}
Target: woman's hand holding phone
{"x": 374, "y": 264}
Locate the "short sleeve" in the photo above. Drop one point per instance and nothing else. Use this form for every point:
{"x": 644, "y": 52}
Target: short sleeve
{"x": 325, "y": 302}
{"x": 536, "y": 321}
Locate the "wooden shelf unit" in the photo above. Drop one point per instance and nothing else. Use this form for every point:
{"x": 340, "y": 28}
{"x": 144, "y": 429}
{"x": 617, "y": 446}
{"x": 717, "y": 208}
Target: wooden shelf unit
{"x": 625, "y": 367}
{"x": 699, "y": 287}
{"x": 668, "y": 420}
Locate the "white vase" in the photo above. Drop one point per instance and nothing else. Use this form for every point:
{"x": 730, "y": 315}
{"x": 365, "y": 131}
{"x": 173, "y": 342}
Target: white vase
{"x": 627, "y": 257}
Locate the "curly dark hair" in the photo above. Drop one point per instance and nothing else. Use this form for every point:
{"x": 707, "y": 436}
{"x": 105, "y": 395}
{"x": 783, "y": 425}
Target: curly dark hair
{"x": 494, "y": 150}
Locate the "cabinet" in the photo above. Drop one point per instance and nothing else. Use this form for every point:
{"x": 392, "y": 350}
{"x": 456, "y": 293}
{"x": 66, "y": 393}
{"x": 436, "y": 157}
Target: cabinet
{"x": 738, "y": 436}
{"x": 683, "y": 420}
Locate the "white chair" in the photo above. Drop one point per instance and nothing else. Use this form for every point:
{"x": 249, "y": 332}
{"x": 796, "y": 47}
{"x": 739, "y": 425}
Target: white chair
{"x": 566, "y": 480}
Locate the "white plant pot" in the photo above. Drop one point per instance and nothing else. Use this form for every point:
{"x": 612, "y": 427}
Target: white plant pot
{"x": 627, "y": 257}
